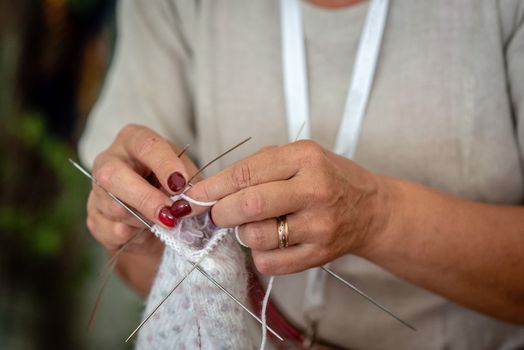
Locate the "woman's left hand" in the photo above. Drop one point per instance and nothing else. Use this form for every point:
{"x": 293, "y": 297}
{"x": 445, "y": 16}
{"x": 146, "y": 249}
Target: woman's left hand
{"x": 333, "y": 206}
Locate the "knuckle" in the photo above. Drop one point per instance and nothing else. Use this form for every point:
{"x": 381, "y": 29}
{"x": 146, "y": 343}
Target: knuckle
{"x": 122, "y": 231}
{"x": 241, "y": 176}
{"x": 252, "y": 204}
{"x": 311, "y": 152}
{"x": 145, "y": 145}
{"x": 144, "y": 200}
{"x": 255, "y": 236}
{"x": 104, "y": 174}
{"x": 128, "y": 129}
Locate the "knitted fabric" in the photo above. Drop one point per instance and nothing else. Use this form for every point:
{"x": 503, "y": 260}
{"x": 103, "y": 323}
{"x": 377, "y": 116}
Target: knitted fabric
{"x": 198, "y": 315}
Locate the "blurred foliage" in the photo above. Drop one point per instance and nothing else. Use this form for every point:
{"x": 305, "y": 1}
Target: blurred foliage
{"x": 28, "y": 150}
{"x": 53, "y": 56}
{"x": 41, "y": 237}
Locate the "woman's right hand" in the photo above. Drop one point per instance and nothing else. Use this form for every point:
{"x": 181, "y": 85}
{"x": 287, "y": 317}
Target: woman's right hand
{"x": 142, "y": 169}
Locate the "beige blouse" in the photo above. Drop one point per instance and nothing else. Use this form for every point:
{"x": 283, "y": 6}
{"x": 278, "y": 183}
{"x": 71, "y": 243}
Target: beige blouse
{"x": 446, "y": 111}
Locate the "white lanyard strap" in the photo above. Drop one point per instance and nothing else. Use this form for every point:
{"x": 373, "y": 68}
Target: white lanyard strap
{"x": 297, "y": 105}
{"x": 295, "y": 74}
{"x": 362, "y": 79}
{"x": 295, "y": 70}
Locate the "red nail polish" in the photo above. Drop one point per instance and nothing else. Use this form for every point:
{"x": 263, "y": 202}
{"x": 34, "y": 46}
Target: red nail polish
{"x": 180, "y": 208}
{"x": 176, "y": 182}
{"x": 167, "y": 217}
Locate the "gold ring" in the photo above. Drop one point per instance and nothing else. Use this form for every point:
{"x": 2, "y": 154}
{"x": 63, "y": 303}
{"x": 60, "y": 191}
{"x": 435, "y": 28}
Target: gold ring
{"x": 283, "y": 232}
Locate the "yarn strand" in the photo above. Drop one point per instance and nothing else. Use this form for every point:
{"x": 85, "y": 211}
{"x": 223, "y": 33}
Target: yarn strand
{"x": 265, "y": 301}
{"x": 192, "y": 201}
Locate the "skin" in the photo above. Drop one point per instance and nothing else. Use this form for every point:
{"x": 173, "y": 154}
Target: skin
{"x": 136, "y": 154}
{"x": 469, "y": 252}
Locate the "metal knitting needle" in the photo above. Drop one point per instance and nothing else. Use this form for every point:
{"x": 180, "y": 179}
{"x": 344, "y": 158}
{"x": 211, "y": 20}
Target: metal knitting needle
{"x": 145, "y": 223}
{"x": 115, "y": 198}
{"x": 239, "y": 303}
{"x": 123, "y": 247}
{"x": 355, "y": 289}
{"x": 99, "y": 296}
{"x": 136, "y": 235}
{"x": 195, "y": 265}
{"x": 367, "y": 297}
{"x": 114, "y": 258}
{"x": 183, "y": 150}
{"x": 110, "y": 265}
{"x": 217, "y": 158}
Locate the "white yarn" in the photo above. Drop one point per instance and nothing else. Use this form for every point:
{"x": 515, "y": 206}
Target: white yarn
{"x": 199, "y": 315}
{"x": 263, "y": 312}
{"x": 238, "y": 238}
{"x": 192, "y": 201}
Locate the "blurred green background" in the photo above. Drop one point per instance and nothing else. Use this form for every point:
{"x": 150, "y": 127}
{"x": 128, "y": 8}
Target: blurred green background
{"x": 53, "y": 58}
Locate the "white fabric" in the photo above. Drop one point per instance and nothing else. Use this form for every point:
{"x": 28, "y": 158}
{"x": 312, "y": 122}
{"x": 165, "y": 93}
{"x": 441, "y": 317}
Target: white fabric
{"x": 198, "y": 314}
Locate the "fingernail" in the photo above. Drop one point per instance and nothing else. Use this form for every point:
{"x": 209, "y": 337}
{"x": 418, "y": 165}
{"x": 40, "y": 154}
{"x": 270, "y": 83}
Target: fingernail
{"x": 167, "y": 217}
{"x": 180, "y": 208}
{"x": 176, "y": 182}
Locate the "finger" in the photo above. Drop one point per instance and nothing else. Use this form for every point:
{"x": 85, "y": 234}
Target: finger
{"x": 188, "y": 163}
{"x": 153, "y": 151}
{"x": 259, "y": 202}
{"x": 111, "y": 209}
{"x": 271, "y": 164}
{"x": 288, "y": 260}
{"x": 109, "y": 233}
{"x": 117, "y": 178}
{"x": 113, "y": 235}
{"x": 263, "y": 235}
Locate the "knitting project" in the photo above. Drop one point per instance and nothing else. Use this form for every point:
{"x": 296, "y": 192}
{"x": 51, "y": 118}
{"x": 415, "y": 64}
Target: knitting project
{"x": 198, "y": 315}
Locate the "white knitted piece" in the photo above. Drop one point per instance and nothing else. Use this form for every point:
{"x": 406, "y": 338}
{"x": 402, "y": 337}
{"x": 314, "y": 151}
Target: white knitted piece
{"x": 198, "y": 315}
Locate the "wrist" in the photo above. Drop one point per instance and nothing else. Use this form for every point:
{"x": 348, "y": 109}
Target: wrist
{"x": 386, "y": 208}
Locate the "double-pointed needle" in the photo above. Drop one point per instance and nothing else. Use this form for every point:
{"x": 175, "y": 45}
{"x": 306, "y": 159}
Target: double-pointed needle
{"x": 367, "y": 297}
{"x": 111, "y": 262}
{"x": 197, "y": 267}
{"x": 194, "y": 266}
{"x": 347, "y": 284}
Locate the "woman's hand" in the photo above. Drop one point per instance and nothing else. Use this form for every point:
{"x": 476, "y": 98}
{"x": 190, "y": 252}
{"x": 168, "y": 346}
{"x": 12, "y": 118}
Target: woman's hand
{"x": 140, "y": 168}
{"x": 332, "y": 205}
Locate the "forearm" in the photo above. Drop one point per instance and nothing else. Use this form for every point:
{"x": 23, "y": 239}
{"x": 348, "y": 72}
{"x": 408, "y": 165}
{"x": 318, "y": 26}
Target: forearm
{"x": 139, "y": 270}
{"x": 469, "y": 252}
